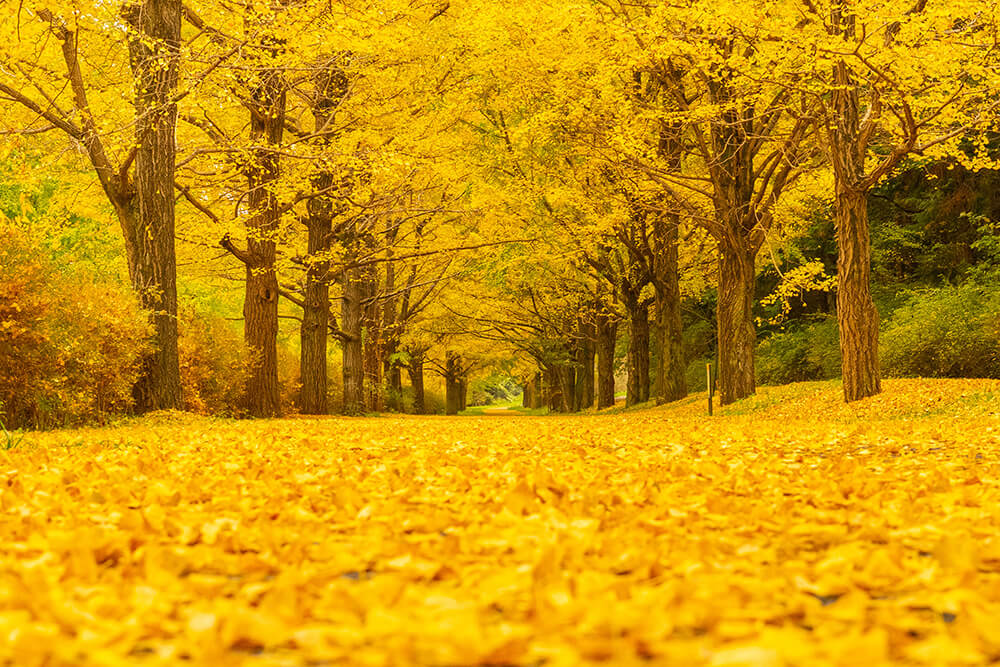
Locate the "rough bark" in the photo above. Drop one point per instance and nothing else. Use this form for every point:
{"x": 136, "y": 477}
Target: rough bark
{"x": 154, "y": 47}
{"x": 637, "y": 390}
{"x": 671, "y": 368}
{"x": 857, "y": 316}
{"x": 350, "y": 322}
{"x": 260, "y": 305}
{"x": 331, "y": 86}
{"x": 736, "y": 334}
{"x": 607, "y": 333}
{"x": 671, "y": 384}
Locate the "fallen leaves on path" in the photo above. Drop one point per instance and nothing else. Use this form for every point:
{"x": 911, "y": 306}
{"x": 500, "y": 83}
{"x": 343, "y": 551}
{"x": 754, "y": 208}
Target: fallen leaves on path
{"x": 650, "y": 537}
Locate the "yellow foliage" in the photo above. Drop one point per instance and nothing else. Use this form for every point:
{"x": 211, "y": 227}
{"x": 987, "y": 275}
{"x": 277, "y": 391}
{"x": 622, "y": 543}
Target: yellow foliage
{"x": 764, "y": 536}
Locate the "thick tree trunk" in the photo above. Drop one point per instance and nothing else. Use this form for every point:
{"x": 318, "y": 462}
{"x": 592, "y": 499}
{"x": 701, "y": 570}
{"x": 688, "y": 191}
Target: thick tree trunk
{"x": 260, "y": 306}
{"x": 154, "y": 47}
{"x": 637, "y": 390}
{"x": 671, "y": 368}
{"x": 315, "y": 317}
{"x": 856, "y": 312}
{"x": 607, "y": 334}
{"x": 737, "y": 337}
{"x": 537, "y": 394}
{"x": 416, "y": 371}
{"x": 526, "y": 395}
{"x": 350, "y": 322}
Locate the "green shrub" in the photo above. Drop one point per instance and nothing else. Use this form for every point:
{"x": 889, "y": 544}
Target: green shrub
{"x": 945, "y": 332}
{"x": 811, "y": 352}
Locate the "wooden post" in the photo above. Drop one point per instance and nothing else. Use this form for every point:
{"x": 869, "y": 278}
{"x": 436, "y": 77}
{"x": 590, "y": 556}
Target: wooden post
{"x": 708, "y": 377}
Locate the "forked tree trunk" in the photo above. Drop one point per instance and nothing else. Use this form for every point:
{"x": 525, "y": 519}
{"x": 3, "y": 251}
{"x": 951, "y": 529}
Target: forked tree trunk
{"x": 637, "y": 390}
{"x": 353, "y": 366}
{"x": 737, "y": 337}
{"x": 154, "y": 48}
{"x": 416, "y": 371}
{"x": 607, "y": 334}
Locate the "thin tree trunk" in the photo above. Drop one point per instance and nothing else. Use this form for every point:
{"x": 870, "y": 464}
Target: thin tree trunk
{"x": 372, "y": 323}
{"x": 353, "y": 366}
{"x": 671, "y": 368}
{"x": 607, "y": 334}
{"x": 637, "y": 390}
{"x": 416, "y": 371}
{"x": 567, "y": 387}
{"x": 526, "y": 395}
{"x": 452, "y": 395}
{"x": 585, "y": 364}
{"x": 154, "y": 48}
{"x": 736, "y": 334}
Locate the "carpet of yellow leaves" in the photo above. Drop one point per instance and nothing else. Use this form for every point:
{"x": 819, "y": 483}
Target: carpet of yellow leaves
{"x": 789, "y": 530}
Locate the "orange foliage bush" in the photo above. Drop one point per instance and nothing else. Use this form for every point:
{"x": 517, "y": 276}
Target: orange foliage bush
{"x": 70, "y": 345}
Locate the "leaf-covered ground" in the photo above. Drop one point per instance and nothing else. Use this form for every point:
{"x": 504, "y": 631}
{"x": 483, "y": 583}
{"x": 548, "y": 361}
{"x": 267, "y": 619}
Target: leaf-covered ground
{"x": 789, "y": 530}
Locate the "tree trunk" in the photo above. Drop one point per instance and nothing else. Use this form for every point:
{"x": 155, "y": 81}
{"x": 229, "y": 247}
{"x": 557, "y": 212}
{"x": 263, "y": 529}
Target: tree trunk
{"x": 553, "y": 389}
{"x": 536, "y": 392}
{"x": 607, "y": 334}
{"x": 737, "y": 337}
{"x": 372, "y": 322}
{"x": 154, "y": 48}
{"x": 463, "y": 393}
{"x": 637, "y": 390}
{"x": 856, "y": 313}
{"x": 260, "y": 305}
{"x": 314, "y": 332}
{"x": 353, "y": 366}
{"x": 416, "y": 371}
{"x": 526, "y": 395}
{"x": 585, "y": 365}
{"x": 671, "y": 368}
{"x": 394, "y": 386}
{"x": 567, "y": 387}
{"x": 452, "y": 391}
